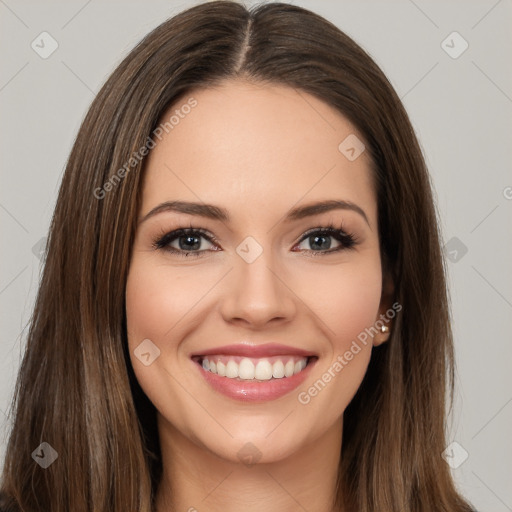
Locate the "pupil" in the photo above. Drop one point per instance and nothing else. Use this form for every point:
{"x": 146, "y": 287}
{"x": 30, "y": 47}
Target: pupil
{"x": 188, "y": 238}
{"x": 317, "y": 237}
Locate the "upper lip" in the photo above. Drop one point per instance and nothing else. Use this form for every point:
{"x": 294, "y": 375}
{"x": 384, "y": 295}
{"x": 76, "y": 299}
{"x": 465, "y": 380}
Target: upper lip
{"x": 245, "y": 350}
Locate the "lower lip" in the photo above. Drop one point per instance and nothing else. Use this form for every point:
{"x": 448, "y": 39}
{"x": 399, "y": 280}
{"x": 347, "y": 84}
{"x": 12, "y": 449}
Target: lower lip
{"x": 255, "y": 391}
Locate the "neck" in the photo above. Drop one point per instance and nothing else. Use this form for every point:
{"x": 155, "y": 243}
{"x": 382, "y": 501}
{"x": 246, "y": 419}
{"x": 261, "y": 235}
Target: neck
{"x": 195, "y": 479}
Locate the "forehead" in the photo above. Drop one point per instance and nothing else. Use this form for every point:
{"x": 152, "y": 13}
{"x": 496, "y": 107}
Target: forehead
{"x": 253, "y": 148}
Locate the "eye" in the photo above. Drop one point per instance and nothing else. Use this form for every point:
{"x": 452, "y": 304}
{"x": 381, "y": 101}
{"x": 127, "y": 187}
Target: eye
{"x": 319, "y": 239}
{"x": 189, "y": 241}
{"x": 185, "y": 242}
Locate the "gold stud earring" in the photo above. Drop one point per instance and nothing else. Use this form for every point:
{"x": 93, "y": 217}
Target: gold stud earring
{"x": 384, "y": 329}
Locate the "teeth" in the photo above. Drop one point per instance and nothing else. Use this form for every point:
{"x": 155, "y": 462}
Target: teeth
{"x": 231, "y": 370}
{"x": 299, "y": 366}
{"x": 260, "y": 369}
{"x": 245, "y": 369}
{"x": 278, "y": 370}
{"x": 263, "y": 371}
{"x": 289, "y": 368}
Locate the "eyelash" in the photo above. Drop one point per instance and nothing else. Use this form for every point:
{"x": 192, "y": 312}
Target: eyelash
{"x": 348, "y": 240}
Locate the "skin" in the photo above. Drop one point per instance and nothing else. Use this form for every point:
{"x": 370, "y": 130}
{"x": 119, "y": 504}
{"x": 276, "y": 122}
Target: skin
{"x": 257, "y": 151}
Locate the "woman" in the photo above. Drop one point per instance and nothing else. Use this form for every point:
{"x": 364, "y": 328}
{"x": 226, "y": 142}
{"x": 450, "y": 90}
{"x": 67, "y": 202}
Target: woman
{"x": 243, "y": 303}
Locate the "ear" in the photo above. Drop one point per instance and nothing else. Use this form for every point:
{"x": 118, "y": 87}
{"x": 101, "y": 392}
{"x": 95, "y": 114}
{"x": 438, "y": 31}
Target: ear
{"x": 383, "y": 322}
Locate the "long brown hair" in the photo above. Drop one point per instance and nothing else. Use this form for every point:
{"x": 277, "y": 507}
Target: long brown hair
{"x": 76, "y": 389}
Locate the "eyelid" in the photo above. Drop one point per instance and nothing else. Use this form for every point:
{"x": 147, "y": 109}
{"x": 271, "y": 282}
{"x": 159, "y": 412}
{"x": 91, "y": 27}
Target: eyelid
{"x": 347, "y": 239}
{"x": 173, "y": 234}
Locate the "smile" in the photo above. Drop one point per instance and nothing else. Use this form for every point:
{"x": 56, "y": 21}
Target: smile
{"x": 254, "y": 373}
{"x": 255, "y": 369}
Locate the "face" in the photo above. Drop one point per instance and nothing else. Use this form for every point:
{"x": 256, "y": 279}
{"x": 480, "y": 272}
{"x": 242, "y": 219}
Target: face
{"x": 259, "y": 284}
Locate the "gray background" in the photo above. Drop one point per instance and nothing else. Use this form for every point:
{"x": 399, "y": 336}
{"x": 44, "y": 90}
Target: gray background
{"x": 460, "y": 107}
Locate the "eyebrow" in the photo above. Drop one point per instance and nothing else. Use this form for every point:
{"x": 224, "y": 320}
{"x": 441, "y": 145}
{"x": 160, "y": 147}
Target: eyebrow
{"x": 211, "y": 211}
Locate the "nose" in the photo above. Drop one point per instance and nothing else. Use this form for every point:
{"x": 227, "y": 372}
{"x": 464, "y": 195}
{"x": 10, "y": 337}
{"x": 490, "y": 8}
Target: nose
{"x": 257, "y": 294}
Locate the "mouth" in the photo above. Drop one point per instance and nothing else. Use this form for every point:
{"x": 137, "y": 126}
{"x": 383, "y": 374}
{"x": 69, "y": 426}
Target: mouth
{"x": 254, "y": 373}
{"x": 254, "y": 369}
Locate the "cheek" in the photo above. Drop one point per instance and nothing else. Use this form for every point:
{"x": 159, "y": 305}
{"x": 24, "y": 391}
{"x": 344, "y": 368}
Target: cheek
{"x": 155, "y": 303}
{"x": 153, "y": 308}
{"x": 347, "y": 310}
{"x": 358, "y": 307}
{"x": 162, "y": 305}
{"x": 346, "y": 300}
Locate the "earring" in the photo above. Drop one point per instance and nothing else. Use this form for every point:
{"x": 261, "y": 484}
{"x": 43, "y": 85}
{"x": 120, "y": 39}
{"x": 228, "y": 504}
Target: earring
{"x": 384, "y": 329}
